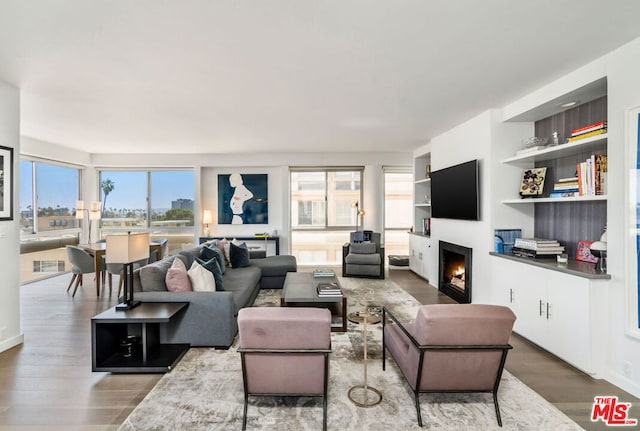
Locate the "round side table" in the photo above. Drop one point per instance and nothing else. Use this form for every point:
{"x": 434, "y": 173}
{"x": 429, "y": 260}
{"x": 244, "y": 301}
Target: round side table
{"x": 365, "y": 395}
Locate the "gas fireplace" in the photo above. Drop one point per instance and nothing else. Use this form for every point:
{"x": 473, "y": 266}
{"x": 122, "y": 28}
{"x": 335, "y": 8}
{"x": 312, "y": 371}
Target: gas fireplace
{"x": 454, "y": 272}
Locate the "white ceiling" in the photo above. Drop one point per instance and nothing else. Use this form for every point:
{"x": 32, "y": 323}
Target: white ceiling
{"x": 211, "y": 76}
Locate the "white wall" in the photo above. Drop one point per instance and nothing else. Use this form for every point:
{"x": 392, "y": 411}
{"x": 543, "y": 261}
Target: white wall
{"x": 10, "y": 332}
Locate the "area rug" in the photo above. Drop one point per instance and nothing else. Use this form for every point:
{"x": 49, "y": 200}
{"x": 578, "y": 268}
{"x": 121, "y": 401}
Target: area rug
{"x": 204, "y": 392}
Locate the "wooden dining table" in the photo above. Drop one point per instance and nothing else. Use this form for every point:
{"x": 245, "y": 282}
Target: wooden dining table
{"x": 99, "y": 249}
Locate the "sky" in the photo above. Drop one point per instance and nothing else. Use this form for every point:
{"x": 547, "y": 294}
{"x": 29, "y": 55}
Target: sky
{"x": 59, "y": 186}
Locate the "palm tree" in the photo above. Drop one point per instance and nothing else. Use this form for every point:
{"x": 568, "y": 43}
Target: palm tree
{"x": 107, "y": 187}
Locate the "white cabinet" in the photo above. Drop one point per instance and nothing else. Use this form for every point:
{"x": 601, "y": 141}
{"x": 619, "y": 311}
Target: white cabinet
{"x": 420, "y": 258}
{"x": 559, "y": 312}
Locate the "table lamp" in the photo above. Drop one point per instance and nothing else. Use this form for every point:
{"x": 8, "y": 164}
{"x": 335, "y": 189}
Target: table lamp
{"x": 127, "y": 249}
{"x": 206, "y": 219}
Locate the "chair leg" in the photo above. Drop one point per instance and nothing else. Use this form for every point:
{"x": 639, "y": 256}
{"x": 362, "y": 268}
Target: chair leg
{"x": 110, "y": 283}
{"x": 324, "y": 412}
{"x": 120, "y": 283}
{"x": 78, "y": 283}
{"x": 71, "y": 282}
{"x": 244, "y": 417}
{"x": 495, "y": 403}
{"x": 417, "y": 395}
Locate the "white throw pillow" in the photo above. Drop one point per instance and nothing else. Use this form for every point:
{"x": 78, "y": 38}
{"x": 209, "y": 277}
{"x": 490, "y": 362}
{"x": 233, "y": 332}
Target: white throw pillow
{"x": 201, "y": 278}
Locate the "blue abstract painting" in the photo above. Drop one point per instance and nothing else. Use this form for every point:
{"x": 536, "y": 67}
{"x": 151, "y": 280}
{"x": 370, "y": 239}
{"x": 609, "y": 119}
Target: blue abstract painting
{"x": 243, "y": 199}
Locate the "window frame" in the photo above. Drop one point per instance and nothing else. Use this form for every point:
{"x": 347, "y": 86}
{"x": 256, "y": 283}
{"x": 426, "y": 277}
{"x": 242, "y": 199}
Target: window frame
{"x": 325, "y": 170}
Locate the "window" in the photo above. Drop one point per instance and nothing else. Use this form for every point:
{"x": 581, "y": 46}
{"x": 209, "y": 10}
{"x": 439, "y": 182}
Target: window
{"x": 398, "y": 209}
{"x": 323, "y": 212}
{"x": 48, "y": 266}
{"x": 156, "y": 200}
{"x": 48, "y": 195}
{"x": 55, "y": 189}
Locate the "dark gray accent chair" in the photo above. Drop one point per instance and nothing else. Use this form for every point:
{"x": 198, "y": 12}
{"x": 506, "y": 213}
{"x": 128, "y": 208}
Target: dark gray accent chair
{"x": 363, "y": 259}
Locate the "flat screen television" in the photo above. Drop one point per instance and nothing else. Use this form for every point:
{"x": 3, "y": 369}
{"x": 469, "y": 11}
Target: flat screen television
{"x": 455, "y": 192}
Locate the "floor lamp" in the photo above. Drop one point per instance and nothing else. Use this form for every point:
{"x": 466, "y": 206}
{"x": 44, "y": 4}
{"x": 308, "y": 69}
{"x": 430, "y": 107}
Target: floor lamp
{"x": 127, "y": 249}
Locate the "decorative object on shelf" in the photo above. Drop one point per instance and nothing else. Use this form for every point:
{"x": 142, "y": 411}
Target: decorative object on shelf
{"x": 426, "y": 226}
{"x": 127, "y": 249}
{"x": 504, "y": 239}
{"x": 6, "y": 183}
{"x": 427, "y": 172}
{"x": 599, "y": 250}
{"x": 534, "y": 141}
{"x": 206, "y": 219}
{"x": 533, "y": 182}
{"x": 583, "y": 252}
{"x": 243, "y": 199}
{"x": 562, "y": 258}
{"x": 555, "y": 140}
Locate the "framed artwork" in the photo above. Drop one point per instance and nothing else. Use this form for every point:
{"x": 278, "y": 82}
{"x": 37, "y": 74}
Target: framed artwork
{"x": 583, "y": 252}
{"x": 6, "y": 183}
{"x": 243, "y": 199}
{"x": 532, "y": 183}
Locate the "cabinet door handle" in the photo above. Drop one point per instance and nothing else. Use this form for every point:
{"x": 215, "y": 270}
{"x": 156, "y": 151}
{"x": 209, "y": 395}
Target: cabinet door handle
{"x": 540, "y": 309}
{"x": 548, "y": 311}
{"x": 511, "y": 296}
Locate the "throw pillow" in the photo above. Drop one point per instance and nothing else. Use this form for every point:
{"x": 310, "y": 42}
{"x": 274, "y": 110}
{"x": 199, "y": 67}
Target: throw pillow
{"x": 201, "y": 279}
{"x": 213, "y": 252}
{"x": 363, "y": 248}
{"x": 213, "y": 266}
{"x": 239, "y": 255}
{"x": 177, "y": 279}
{"x": 223, "y": 245}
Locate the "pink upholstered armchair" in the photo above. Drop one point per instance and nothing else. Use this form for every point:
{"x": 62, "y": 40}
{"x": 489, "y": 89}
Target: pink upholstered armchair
{"x": 451, "y": 348}
{"x": 285, "y": 352}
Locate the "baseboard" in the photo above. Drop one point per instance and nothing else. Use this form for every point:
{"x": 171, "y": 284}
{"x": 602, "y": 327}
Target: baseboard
{"x": 11, "y": 342}
{"x": 623, "y": 383}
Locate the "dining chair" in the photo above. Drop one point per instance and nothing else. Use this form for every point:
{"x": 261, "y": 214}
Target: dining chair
{"x": 82, "y": 263}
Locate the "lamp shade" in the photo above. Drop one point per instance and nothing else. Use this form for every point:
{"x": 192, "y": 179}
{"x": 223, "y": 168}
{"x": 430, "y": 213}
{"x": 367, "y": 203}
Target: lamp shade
{"x": 206, "y": 217}
{"x": 94, "y": 214}
{"x": 127, "y": 248}
{"x": 79, "y": 209}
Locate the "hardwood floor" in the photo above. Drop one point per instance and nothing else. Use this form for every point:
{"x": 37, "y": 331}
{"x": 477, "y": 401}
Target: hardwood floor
{"x": 47, "y": 383}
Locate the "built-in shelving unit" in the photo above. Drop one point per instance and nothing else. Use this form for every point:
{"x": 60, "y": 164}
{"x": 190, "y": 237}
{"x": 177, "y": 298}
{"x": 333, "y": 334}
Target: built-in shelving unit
{"x": 421, "y": 192}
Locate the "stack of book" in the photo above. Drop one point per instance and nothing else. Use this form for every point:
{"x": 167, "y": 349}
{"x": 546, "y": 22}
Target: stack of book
{"x": 592, "y": 175}
{"x": 565, "y": 187}
{"x": 587, "y": 131}
{"x": 329, "y": 289}
{"x": 537, "y": 247}
{"x": 324, "y": 272}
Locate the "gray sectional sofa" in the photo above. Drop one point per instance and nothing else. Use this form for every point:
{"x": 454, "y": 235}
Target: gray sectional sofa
{"x": 211, "y": 317}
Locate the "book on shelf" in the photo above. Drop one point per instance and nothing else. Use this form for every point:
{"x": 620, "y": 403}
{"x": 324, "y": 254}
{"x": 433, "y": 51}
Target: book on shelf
{"x": 523, "y": 252}
{"x": 587, "y": 135}
{"x": 261, "y": 235}
{"x": 568, "y": 180}
{"x": 566, "y": 186}
{"x": 592, "y": 174}
{"x": 589, "y": 128}
{"x": 538, "y": 244}
{"x": 324, "y": 272}
{"x": 564, "y": 194}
